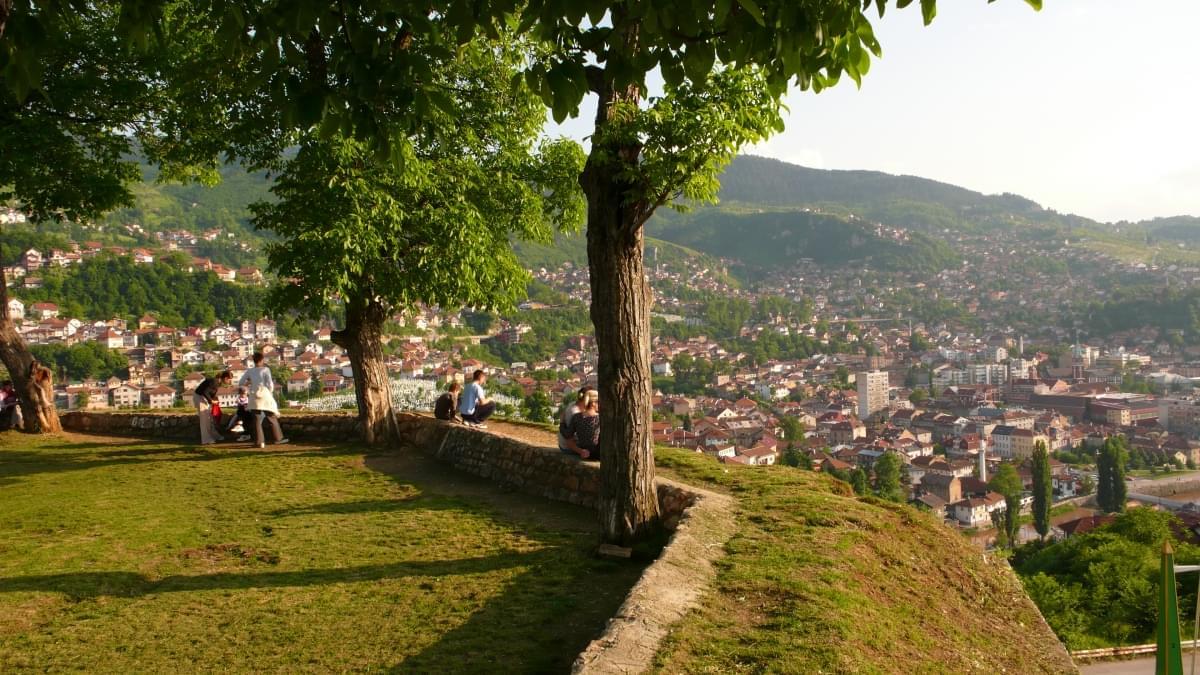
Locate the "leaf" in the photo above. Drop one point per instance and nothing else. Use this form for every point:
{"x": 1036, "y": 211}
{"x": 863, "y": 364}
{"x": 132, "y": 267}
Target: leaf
{"x": 928, "y": 10}
{"x": 754, "y": 11}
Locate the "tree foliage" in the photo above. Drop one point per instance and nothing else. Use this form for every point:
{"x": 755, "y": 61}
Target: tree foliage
{"x": 1007, "y": 482}
{"x": 887, "y": 477}
{"x": 1111, "y": 490}
{"x": 84, "y": 361}
{"x": 1098, "y": 589}
{"x": 1042, "y": 489}
{"x": 114, "y": 286}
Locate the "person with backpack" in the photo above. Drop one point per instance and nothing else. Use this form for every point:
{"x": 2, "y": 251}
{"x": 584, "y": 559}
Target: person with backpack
{"x": 446, "y": 406}
{"x": 205, "y": 400}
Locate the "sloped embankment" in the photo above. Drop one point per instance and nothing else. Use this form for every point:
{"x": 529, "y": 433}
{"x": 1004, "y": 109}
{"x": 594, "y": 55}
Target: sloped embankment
{"x": 817, "y": 580}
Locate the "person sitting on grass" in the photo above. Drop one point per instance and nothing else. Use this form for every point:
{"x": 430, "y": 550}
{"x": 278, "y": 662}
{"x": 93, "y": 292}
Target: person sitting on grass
{"x": 474, "y": 405}
{"x": 584, "y": 430}
{"x": 447, "y": 404}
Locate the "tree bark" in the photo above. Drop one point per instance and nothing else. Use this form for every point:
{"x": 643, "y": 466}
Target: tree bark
{"x": 363, "y": 341}
{"x": 5, "y": 12}
{"x": 31, "y": 380}
{"x": 620, "y": 311}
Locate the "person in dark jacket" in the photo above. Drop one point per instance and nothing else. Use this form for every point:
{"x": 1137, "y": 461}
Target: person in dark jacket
{"x": 203, "y": 398}
{"x": 446, "y": 407}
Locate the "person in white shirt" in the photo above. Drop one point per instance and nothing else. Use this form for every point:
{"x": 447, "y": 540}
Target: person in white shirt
{"x": 474, "y": 405}
{"x": 261, "y": 385}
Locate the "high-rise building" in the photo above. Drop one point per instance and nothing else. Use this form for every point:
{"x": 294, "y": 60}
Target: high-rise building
{"x": 872, "y": 392}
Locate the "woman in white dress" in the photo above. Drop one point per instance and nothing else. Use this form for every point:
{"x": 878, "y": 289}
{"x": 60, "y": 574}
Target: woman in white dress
{"x": 261, "y": 386}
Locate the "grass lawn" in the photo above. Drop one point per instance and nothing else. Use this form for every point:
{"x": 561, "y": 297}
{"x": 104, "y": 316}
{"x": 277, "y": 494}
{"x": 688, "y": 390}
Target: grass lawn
{"x": 819, "y": 581}
{"x": 124, "y": 556}
{"x": 1146, "y": 474}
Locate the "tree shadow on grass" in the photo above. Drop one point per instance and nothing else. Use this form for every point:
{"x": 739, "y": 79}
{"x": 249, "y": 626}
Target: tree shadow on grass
{"x": 19, "y": 463}
{"x": 538, "y": 624}
{"x": 125, "y": 584}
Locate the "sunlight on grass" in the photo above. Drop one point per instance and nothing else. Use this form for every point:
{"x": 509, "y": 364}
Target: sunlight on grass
{"x": 149, "y": 556}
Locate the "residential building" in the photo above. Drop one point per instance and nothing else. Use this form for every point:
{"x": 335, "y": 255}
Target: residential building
{"x": 872, "y": 392}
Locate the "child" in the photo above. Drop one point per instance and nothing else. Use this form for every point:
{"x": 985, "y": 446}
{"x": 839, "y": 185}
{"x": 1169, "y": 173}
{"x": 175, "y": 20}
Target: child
{"x": 242, "y": 415}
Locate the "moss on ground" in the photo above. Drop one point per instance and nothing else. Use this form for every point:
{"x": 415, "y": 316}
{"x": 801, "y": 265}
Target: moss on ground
{"x": 817, "y": 580}
{"x": 136, "y": 556}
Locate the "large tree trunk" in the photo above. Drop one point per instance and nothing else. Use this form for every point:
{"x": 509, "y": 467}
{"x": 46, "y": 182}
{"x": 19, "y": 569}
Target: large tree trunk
{"x": 31, "y": 381}
{"x": 621, "y": 315}
{"x": 363, "y": 340}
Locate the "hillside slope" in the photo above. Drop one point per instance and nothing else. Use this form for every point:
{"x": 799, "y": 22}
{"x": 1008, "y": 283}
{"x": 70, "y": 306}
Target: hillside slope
{"x": 817, "y": 580}
{"x": 769, "y": 238}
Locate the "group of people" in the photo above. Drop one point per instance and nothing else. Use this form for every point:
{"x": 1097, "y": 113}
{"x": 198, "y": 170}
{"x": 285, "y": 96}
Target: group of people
{"x": 578, "y": 425}
{"x": 256, "y": 405}
{"x": 471, "y": 403}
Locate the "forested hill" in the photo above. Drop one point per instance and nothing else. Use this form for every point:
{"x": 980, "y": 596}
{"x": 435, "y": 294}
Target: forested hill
{"x": 770, "y": 213}
{"x": 905, "y": 201}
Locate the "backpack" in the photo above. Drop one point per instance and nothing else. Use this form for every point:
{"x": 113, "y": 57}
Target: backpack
{"x": 443, "y": 409}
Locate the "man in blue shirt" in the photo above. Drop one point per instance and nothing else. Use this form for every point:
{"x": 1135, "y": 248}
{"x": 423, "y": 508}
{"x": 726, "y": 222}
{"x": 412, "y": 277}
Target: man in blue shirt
{"x": 474, "y": 405}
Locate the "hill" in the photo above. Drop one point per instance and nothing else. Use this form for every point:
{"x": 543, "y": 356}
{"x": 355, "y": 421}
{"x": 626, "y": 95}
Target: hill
{"x": 905, "y": 201}
{"x": 768, "y": 238}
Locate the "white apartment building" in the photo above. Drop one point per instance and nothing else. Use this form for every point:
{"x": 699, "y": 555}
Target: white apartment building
{"x": 872, "y": 392}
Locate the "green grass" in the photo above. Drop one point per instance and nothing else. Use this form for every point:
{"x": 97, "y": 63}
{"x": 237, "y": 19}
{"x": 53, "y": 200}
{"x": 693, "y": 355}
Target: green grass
{"x": 124, "y": 556}
{"x": 817, "y": 580}
{"x": 1162, "y": 475}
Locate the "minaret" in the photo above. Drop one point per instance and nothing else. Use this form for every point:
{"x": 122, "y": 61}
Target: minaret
{"x": 982, "y": 464}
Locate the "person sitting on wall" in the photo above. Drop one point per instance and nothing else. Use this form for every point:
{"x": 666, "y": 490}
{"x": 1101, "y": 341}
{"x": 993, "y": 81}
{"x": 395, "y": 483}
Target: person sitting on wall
{"x": 474, "y": 405}
{"x": 584, "y": 430}
{"x": 447, "y": 404}
{"x": 566, "y": 442}
{"x": 10, "y": 408}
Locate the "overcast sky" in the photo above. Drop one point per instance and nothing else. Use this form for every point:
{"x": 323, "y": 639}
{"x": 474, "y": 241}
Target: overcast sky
{"x": 1089, "y": 106}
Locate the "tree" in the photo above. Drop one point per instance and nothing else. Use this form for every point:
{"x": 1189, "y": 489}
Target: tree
{"x": 1104, "y": 488}
{"x": 793, "y": 429}
{"x": 1111, "y": 490}
{"x": 437, "y": 232}
{"x": 1008, "y": 483}
{"x": 1086, "y": 486}
{"x": 859, "y": 483}
{"x": 887, "y": 477}
{"x": 725, "y": 65}
{"x": 537, "y": 407}
{"x": 71, "y": 97}
{"x": 918, "y": 396}
{"x": 1042, "y": 489}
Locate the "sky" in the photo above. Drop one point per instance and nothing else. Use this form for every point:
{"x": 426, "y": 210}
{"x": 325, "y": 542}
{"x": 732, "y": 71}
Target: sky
{"x": 1088, "y": 106}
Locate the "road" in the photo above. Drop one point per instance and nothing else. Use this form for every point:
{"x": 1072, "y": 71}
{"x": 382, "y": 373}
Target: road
{"x": 1139, "y": 666}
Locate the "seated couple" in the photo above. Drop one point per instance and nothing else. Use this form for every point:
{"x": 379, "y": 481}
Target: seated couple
{"x": 472, "y": 403}
{"x": 579, "y": 426}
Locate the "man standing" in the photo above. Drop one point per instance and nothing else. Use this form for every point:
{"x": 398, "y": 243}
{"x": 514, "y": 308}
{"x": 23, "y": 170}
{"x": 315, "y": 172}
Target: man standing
{"x": 474, "y": 404}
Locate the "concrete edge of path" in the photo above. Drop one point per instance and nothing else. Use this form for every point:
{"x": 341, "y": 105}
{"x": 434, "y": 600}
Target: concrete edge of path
{"x": 666, "y": 591}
